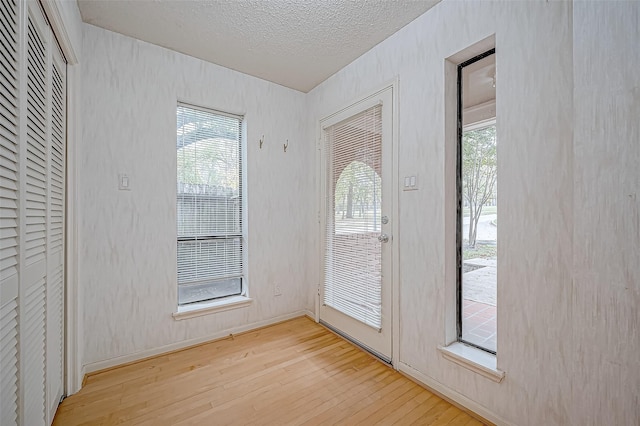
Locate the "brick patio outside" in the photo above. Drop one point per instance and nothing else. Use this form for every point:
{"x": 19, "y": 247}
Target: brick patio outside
{"x": 479, "y": 324}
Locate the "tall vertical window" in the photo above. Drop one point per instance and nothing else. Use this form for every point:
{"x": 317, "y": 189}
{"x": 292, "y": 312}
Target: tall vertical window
{"x": 477, "y": 203}
{"x": 209, "y": 204}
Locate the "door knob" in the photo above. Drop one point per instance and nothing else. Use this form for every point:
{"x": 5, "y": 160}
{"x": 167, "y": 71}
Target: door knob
{"x": 383, "y": 238}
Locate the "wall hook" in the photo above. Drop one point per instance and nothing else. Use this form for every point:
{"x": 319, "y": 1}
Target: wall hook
{"x": 286, "y": 145}
{"x": 261, "y": 141}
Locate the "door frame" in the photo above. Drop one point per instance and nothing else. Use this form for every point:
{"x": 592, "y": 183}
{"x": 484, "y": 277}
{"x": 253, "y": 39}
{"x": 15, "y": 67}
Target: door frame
{"x": 394, "y": 210}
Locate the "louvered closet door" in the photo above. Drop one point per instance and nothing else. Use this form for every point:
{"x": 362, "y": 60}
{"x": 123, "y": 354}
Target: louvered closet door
{"x": 34, "y": 227}
{"x": 9, "y": 213}
{"x": 55, "y": 236}
{"x": 32, "y": 170}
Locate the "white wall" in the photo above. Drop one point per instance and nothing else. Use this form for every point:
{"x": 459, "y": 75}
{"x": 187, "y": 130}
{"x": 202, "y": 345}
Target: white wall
{"x": 606, "y": 221}
{"x": 569, "y": 277}
{"x": 127, "y": 239}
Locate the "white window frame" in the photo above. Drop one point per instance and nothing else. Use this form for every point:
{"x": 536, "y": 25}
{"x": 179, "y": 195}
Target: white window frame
{"x": 471, "y": 358}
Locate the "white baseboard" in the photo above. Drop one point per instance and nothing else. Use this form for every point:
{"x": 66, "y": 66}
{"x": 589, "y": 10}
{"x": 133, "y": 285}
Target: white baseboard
{"x": 114, "y": 362}
{"x": 455, "y": 396}
{"x": 83, "y": 374}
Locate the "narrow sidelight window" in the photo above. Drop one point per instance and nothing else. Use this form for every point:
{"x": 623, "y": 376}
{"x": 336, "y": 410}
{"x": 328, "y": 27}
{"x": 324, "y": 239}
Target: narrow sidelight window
{"x": 209, "y": 205}
{"x": 477, "y": 184}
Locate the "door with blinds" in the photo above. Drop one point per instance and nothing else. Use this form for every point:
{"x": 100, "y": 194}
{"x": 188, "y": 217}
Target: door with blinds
{"x": 32, "y": 151}
{"x": 355, "y": 295}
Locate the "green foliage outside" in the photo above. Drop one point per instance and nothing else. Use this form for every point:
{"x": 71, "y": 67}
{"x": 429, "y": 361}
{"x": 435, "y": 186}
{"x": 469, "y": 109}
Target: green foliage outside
{"x": 357, "y": 191}
{"x": 212, "y": 162}
{"x": 207, "y": 148}
{"x": 479, "y": 174}
{"x": 485, "y": 251}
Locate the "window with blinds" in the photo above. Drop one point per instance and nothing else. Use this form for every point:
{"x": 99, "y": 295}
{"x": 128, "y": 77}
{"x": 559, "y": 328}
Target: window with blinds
{"x": 209, "y": 204}
{"x": 353, "y": 254}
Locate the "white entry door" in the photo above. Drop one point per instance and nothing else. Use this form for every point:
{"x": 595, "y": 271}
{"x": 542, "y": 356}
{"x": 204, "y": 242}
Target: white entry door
{"x": 355, "y": 296}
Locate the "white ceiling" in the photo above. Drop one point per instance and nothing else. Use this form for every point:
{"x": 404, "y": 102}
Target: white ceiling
{"x": 479, "y": 91}
{"x": 295, "y": 43}
{"x": 478, "y": 82}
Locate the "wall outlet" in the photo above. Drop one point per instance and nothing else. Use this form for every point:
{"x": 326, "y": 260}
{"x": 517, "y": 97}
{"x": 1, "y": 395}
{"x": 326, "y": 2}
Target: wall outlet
{"x": 277, "y": 291}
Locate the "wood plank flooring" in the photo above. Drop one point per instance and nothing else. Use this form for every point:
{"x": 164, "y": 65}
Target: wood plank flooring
{"x": 292, "y": 373}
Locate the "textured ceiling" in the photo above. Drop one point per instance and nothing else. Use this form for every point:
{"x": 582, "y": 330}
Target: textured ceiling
{"x": 295, "y": 43}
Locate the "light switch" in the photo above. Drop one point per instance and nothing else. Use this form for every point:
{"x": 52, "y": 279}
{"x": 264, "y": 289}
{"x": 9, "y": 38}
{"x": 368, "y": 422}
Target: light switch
{"x": 410, "y": 183}
{"x": 124, "y": 183}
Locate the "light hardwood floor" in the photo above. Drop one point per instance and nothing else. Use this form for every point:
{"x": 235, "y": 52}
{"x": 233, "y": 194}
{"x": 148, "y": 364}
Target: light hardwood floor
{"x": 295, "y": 372}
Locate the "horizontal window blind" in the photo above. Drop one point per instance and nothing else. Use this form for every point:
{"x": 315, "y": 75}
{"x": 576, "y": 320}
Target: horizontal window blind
{"x": 353, "y": 254}
{"x": 209, "y": 204}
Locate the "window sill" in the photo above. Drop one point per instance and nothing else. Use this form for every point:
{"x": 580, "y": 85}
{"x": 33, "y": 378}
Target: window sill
{"x": 474, "y": 359}
{"x": 206, "y": 308}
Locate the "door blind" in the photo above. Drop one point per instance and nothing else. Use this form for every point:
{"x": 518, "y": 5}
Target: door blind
{"x": 353, "y": 256}
{"x": 209, "y": 204}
